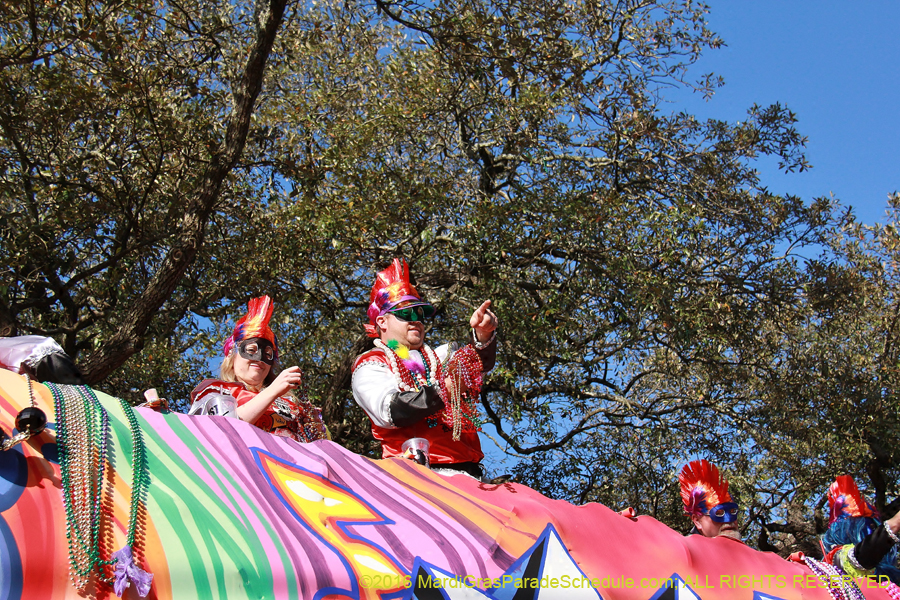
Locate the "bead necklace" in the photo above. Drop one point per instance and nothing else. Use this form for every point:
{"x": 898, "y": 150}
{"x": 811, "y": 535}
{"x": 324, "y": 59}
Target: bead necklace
{"x": 82, "y": 439}
{"x": 78, "y": 435}
{"x": 833, "y": 580}
{"x": 465, "y": 387}
{"x": 139, "y": 478}
{"x": 304, "y": 421}
{"x": 891, "y": 533}
{"x": 407, "y": 381}
{"x": 460, "y": 396}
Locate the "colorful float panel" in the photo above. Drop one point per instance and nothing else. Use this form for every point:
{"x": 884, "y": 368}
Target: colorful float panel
{"x": 233, "y": 512}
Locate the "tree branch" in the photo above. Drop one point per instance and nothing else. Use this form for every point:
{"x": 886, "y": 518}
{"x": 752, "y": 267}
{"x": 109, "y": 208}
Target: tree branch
{"x": 129, "y": 339}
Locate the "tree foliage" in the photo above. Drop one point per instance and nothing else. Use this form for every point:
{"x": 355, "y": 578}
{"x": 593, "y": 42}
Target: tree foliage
{"x": 121, "y": 123}
{"x": 162, "y": 162}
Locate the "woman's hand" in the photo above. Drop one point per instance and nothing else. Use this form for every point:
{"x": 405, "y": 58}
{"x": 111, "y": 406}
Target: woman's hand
{"x": 287, "y": 380}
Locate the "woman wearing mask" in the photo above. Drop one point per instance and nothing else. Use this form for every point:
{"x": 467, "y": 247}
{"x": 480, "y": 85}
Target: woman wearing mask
{"x": 273, "y": 401}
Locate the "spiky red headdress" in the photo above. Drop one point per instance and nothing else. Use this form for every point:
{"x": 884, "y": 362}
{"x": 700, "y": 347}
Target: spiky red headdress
{"x": 845, "y": 500}
{"x": 255, "y": 324}
{"x": 702, "y": 487}
{"x": 391, "y": 290}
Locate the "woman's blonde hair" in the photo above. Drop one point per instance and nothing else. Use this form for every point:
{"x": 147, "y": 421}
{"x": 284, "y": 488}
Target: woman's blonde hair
{"x": 226, "y": 371}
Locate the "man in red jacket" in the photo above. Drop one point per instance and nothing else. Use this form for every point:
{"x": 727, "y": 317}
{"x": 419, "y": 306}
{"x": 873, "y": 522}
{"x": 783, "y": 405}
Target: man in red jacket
{"x": 410, "y": 390}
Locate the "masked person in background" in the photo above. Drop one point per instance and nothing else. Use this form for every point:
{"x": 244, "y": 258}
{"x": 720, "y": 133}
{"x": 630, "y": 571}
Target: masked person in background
{"x": 857, "y": 541}
{"x": 410, "y": 390}
{"x": 273, "y": 401}
{"x": 706, "y": 499}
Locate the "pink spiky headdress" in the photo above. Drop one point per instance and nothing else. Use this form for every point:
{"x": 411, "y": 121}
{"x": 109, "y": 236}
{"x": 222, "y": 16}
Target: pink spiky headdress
{"x": 845, "y": 500}
{"x": 702, "y": 487}
{"x": 255, "y": 324}
{"x": 391, "y": 290}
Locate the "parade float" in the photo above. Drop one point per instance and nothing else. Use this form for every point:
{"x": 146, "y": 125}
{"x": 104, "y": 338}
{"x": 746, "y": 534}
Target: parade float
{"x": 110, "y": 499}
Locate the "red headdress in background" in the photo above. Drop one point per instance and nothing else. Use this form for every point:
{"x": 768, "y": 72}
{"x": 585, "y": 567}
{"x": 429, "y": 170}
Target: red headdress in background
{"x": 255, "y": 324}
{"x": 392, "y": 290}
{"x": 702, "y": 487}
{"x": 845, "y": 500}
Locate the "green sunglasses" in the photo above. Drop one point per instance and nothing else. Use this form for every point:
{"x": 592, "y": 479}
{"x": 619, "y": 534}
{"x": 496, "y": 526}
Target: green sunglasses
{"x": 413, "y": 313}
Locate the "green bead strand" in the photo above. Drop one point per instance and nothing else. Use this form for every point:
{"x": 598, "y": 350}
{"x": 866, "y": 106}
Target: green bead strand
{"x": 84, "y": 444}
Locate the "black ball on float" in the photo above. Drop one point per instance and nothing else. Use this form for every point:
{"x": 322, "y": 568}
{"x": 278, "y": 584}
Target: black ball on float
{"x": 31, "y": 419}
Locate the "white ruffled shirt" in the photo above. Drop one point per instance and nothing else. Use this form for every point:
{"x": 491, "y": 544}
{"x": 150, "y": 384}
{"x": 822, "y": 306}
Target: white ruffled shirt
{"x": 27, "y": 350}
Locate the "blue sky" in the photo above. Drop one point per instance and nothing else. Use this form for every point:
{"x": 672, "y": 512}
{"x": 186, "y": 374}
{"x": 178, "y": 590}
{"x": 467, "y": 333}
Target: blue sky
{"x": 837, "y": 66}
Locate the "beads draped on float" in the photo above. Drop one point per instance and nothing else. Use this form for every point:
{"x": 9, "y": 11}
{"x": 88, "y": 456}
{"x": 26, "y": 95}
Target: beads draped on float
{"x": 82, "y": 436}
